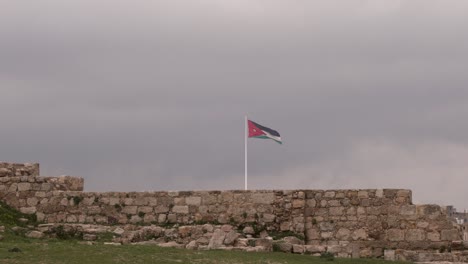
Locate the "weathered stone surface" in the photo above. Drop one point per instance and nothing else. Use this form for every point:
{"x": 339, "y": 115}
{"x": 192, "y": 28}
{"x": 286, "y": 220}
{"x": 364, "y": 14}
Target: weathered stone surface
{"x": 313, "y": 249}
{"x": 192, "y": 245}
{"x": 451, "y": 234}
{"x": 231, "y": 237}
{"x": 193, "y": 200}
{"x": 298, "y": 249}
{"x": 263, "y": 198}
{"x": 283, "y": 246}
{"x": 415, "y": 235}
{"x": 180, "y": 209}
{"x": 217, "y": 240}
{"x": 266, "y": 243}
{"x": 293, "y": 240}
{"x": 359, "y": 234}
{"x": 35, "y": 234}
{"x": 396, "y": 235}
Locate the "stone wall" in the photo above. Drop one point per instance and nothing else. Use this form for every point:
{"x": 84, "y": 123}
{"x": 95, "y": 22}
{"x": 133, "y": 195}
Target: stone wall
{"x": 359, "y": 223}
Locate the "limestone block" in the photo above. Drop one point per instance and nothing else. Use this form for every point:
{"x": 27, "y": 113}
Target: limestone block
{"x": 193, "y": 200}
{"x": 389, "y": 254}
{"x": 114, "y": 200}
{"x": 145, "y": 209}
{"x": 329, "y": 194}
{"x": 180, "y": 209}
{"x": 343, "y": 234}
{"x": 408, "y": 210}
{"x": 217, "y": 240}
{"x": 396, "y": 235}
{"x": 336, "y": 210}
{"x": 313, "y": 249}
{"x": 326, "y": 235}
{"x": 71, "y": 219}
{"x": 32, "y": 201}
{"x": 4, "y": 172}
{"x": 152, "y": 201}
{"x": 172, "y": 218}
{"x": 312, "y": 234}
{"x": 298, "y": 249}
{"x": 326, "y": 226}
{"x": 334, "y": 203}
{"x": 363, "y": 194}
{"x": 13, "y": 187}
{"x": 311, "y": 203}
{"x": 128, "y": 201}
{"x": 283, "y": 246}
{"x": 265, "y": 243}
{"x": 379, "y": 193}
{"x": 263, "y": 198}
{"x": 135, "y": 219}
{"x": 161, "y": 209}
{"x": 24, "y": 186}
{"x": 415, "y": 235}
{"x": 149, "y": 218}
{"x": 192, "y": 245}
{"x": 248, "y": 230}
{"x": 359, "y": 234}
{"x": 269, "y": 218}
{"x": 450, "y": 235}
{"x": 231, "y": 237}
{"x": 132, "y": 209}
{"x": 35, "y": 234}
{"x": 285, "y": 226}
{"x": 433, "y": 236}
{"x": 298, "y": 203}
{"x": 28, "y": 210}
{"x": 162, "y": 218}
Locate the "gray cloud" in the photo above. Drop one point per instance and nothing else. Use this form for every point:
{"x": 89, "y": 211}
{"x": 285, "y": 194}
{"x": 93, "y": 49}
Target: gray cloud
{"x": 151, "y": 94}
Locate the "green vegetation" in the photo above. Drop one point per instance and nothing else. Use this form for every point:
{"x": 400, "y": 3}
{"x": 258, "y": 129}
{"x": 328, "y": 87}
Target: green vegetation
{"x": 70, "y": 251}
{"x": 10, "y": 217}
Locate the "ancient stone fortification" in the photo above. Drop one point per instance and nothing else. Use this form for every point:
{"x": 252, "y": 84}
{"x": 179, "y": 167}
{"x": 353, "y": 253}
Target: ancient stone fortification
{"x": 348, "y": 223}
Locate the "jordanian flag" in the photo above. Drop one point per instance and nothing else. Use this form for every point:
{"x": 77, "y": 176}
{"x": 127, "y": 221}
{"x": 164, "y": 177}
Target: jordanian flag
{"x": 259, "y": 131}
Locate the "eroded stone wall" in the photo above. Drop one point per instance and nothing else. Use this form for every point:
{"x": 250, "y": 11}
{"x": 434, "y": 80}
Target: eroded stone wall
{"x": 360, "y": 223}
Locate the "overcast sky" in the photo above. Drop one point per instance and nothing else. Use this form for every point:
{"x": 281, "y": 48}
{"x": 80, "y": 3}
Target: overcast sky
{"x": 151, "y": 95}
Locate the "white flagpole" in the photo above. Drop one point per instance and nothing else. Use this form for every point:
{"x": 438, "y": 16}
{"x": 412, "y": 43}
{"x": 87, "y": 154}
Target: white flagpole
{"x": 246, "y": 130}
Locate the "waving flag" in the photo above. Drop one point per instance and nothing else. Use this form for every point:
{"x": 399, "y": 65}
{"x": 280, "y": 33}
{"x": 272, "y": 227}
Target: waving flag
{"x": 259, "y": 131}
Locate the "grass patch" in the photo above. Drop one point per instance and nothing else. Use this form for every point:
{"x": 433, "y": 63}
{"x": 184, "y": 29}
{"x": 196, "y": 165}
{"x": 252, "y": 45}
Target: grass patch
{"x": 54, "y": 251}
{"x": 9, "y": 217}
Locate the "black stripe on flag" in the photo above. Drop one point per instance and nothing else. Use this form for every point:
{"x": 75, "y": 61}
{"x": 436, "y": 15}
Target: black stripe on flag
{"x": 269, "y": 130}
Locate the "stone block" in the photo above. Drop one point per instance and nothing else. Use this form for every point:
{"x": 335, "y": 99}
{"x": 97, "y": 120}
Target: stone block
{"x": 298, "y": 249}
{"x": 298, "y": 203}
{"x": 396, "y": 235}
{"x": 180, "y": 209}
{"x": 343, "y": 234}
{"x": 28, "y": 210}
{"x": 415, "y": 235}
{"x": 314, "y": 249}
{"x": 269, "y": 218}
{"x": 312, "y": 234}
{"x": 363, "y": 194}
{"x": 359, "y": 234}
{"x": 217, "y": 239}
{"x": 408, "y": 210}
{"x": 131, "y": 209}
{"x": 450, "y": 235}
{"x": 433, "y": 236}
{"x": 193, "y": 200}
{"x": 24, "y": 186}
{"x": 263, "y": 198}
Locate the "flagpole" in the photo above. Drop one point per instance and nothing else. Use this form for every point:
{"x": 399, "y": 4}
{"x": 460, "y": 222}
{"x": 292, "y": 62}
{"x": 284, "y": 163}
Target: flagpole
{"x": 245, "y": 142}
